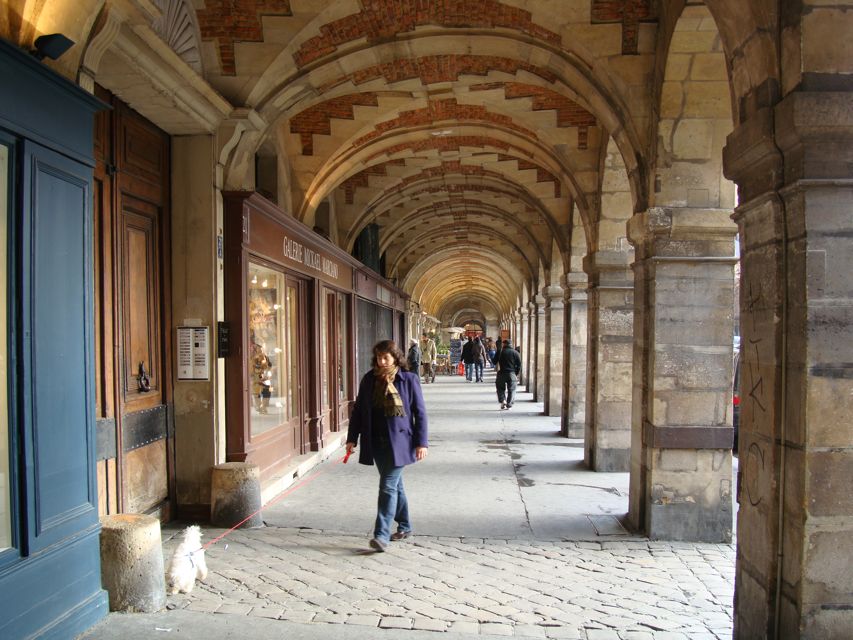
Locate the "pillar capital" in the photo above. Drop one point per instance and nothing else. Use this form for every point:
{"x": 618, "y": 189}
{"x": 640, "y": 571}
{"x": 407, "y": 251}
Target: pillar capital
{"x": 554, "y": 296}
{"x": 609, "y": 269}
{"x": 682, "y": 232}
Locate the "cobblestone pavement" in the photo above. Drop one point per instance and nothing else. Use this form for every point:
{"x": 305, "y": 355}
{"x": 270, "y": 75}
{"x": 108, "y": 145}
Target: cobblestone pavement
{"x": 617, "y": 590}
{"x": 514, "y": 537}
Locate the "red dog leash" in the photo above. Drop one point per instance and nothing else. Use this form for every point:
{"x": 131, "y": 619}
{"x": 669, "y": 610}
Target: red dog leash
{"x": 273, "y": 501}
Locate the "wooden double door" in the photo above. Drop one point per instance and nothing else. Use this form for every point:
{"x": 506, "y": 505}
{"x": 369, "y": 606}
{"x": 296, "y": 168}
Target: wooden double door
{"x": 133, "y": 361}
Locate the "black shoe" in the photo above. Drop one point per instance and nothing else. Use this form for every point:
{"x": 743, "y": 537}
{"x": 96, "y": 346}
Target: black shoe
{"x": 400, "y": 535}
{"x": 377, "y": 545}
{"x": 509, "y": 405}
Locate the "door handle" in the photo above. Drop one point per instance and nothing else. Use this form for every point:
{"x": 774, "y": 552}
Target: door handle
{"x": 142, "y": 379}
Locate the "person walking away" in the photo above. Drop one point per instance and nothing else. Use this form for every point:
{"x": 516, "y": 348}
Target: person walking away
{"x": 413, "y": 358}
{"x": 389, "y": 419}
{"x": 478, "y": 352}
{"x": 468, "y": 358}
{"x": 498, "y": 347}
{"x": 490, "y": 351}
{"x": 509, "y": 370}
{"x": 429, "y": 356}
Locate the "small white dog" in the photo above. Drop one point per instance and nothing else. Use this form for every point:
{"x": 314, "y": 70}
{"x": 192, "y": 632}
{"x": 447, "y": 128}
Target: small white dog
{"x": 187, "y": 563}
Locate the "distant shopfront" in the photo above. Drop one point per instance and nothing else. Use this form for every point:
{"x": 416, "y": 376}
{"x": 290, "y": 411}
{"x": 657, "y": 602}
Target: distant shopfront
{"x": 295, "y": 308}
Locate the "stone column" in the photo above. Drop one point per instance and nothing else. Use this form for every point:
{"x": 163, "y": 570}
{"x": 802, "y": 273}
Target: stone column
{"x": 681, "y": 459}
{"x": 575, "y": 356}
{"x": 195, "y": 300}
{"x": 554, "y": 352}
{"x": 796, "y": 370}
{"x": 538, "y": 349}
{"x": 607, "y": 445}
{"x": 523, "y": 337}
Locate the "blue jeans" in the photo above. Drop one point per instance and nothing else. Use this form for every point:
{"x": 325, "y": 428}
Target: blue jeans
{"x": 478, "y": 371}
{"x": 393, "y": 504}
{"x": 468, "y": 366}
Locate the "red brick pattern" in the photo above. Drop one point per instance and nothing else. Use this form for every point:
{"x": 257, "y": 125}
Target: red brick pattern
{"x": 629, "y": 12}
{"x": 440, "y": 68}
{"x": 542, "y": 175}
{"x": 451, "y": 167}
{"x": 569, "y": 113}
{"x": 316, "y": 120}
{"x": 360, "y": 179}
{"x": 443, "y": 111}
{"x": 230, "y": 21}
{"x": 381, "y": 21}
{"x": 445, "y": 144}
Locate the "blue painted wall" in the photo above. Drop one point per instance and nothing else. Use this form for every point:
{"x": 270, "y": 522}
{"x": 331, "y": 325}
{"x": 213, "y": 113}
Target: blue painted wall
{"x": 50, "y": 582}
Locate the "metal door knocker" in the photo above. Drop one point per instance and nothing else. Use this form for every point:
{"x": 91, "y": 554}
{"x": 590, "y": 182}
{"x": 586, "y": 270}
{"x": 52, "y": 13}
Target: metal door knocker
{"x": 143, "y": 379}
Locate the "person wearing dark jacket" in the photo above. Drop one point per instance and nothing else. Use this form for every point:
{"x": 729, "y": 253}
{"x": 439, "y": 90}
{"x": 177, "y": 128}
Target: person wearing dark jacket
{"x": 478, "y": 354}
{"x": 390, "y": 419}
{"x": 509, "y": 369}
{"x": 468, "y": 358}
{"x": 413, "y": 358}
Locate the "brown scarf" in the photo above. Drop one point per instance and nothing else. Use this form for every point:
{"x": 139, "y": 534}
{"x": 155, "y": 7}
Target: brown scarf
{"x": 385, "y": 394}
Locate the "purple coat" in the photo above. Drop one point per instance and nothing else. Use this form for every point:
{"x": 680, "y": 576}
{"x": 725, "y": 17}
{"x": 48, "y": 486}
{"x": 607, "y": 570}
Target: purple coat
{"x": 406, "y": 432}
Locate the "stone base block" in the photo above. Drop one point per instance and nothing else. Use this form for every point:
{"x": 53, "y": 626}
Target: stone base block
{"x": 132, "y": 563}
{"x": 612, "y": 460}
{"x": 235, "y": 495}
{"x": 690, "y": 522}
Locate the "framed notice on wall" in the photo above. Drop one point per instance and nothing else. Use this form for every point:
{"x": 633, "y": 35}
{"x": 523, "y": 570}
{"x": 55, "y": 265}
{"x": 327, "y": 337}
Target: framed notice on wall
{"x": 193, "y": 363}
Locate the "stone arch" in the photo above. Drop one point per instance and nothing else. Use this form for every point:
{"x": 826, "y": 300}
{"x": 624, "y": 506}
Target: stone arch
{"x": 695, "y": 117}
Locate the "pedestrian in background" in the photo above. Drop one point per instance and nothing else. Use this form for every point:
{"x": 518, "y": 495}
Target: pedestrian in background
{"x": 468, "y": 358}
{"x": 389, "y": 418}
{"x": 413, "y": 358}
{"x": 509, "y": 370}
{"x": 478, "y": 352}
{"x": 429, "y": 356}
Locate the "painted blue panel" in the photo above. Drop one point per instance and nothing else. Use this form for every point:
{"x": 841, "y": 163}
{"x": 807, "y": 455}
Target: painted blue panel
{"x": 56, "y": 593}
{"x": 46, "y": 107}
{"x": 59, "y": 414}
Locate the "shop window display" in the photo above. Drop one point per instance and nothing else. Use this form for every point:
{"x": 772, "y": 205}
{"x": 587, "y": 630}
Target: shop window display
{"x": 270, "y": 392}
{"x": 5, "y": 485}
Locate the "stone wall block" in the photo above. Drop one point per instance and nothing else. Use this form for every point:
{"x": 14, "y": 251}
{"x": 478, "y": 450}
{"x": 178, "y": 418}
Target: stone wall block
{"x": 830, "y": 404}
{"x": 677, "y": 459}
{"x": 692, "y": 139}
{"x": 694, "y": 407}
{"x": 829, "y": 474}
{"x": 709, "y": 66}
{"x": 692, "y": 368}
{"x": 826, "y": 579}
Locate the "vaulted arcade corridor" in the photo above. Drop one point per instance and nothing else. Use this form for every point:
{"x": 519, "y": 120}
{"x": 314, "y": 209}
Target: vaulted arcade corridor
{"x": 210, "y": 210}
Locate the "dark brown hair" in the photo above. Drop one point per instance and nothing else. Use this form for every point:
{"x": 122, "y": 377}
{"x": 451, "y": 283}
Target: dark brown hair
{"x": 390, "y": 347}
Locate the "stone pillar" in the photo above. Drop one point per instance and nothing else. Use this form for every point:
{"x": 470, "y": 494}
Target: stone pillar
{"x": 575, "y": 359}
{"x": 524, "y": 340}
{"x": 796, "y": 377}
{"x": 607, "y": 445}
{"x": 529, "y": 346}
{"x": 681, "y": 459}
{"x": 538, "y": 349}
{"x": 554, "y": 352}
{"x": 196, "y": 279}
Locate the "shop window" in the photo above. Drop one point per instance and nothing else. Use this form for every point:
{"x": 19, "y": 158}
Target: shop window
{"x": 273, "y": 363}
{"x": 343, "y": 347}
{"x": 5, "y": 479}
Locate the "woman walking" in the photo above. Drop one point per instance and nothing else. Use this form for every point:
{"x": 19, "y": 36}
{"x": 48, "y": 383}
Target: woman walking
{"x": 390, "y": 418}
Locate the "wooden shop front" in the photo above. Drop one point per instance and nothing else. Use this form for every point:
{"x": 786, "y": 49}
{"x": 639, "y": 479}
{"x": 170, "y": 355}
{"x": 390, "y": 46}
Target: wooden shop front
{"x": 290, "y": 310}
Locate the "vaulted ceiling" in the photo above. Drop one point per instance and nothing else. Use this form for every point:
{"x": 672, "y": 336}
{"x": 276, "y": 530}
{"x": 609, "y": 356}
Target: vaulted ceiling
{"x": 472, "y": 132}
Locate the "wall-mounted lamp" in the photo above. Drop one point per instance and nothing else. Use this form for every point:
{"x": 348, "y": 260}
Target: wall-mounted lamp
{"x": 51, "y": 45}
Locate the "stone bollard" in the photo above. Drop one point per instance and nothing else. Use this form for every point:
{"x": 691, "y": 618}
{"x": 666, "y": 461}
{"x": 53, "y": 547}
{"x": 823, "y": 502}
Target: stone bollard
{"x": 235, "y": 494}
{"x": 132, "y": 563}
